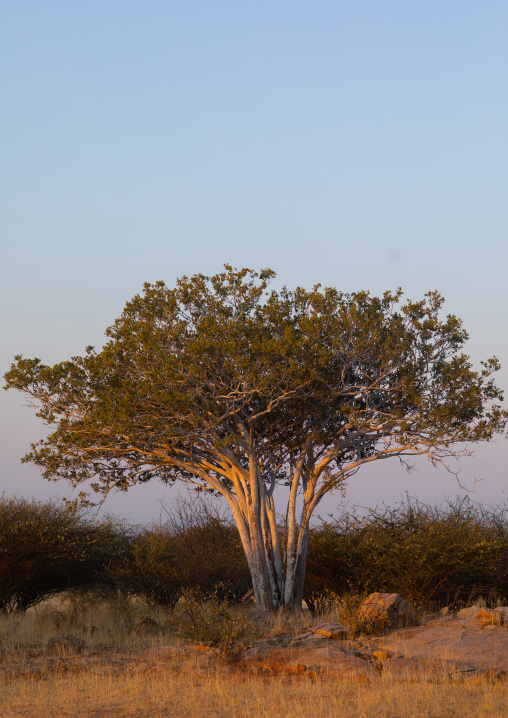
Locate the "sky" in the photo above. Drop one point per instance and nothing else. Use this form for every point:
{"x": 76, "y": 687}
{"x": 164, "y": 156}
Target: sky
{"x": 360, "y": 145}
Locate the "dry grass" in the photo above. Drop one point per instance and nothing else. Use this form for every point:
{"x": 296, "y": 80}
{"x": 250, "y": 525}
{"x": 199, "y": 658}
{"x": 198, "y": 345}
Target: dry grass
{"x": 107, "y": 680}
{"x": 109, "y": 623}
{"x": 187, "y": 692}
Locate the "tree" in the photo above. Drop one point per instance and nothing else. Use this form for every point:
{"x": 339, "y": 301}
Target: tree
{"x": 231, "y": 387}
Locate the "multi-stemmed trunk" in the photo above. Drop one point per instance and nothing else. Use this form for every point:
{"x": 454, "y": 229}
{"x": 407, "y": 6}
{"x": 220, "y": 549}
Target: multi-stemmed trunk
{"x": 276, "y": 558}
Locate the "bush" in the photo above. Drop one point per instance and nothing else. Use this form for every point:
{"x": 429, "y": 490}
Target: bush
{"x": 225, "y": 629}
{"x": 197, "y": 549}
{"x": 431, "y": 555}
{"x": 45, "y": 548}
{"x": 212, "y": 559}
{"x": 151, "y": 570}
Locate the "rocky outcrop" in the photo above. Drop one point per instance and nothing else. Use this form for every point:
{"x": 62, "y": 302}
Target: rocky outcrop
{"x": 463, "y": 641}
{"x": 468, "y": 647}
{"x": 387, "y": 609}
{"x": 335, "y": 631}
{"x": 325, "y": 661}
{"x": 449, "y": 648}
{"x": 469, "y": 612}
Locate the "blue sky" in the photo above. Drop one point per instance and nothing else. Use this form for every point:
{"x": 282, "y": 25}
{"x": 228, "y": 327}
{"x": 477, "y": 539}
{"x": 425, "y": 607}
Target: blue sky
{"x": 357, "y": 144}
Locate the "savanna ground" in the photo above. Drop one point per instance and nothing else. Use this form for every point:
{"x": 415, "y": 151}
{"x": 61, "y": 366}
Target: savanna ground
{"x": 117, "y": 674}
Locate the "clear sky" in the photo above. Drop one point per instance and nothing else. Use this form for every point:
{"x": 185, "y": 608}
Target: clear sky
{"x": 358, "y": 144}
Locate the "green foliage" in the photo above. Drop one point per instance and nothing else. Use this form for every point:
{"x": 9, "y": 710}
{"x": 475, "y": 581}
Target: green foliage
{"x": 151, "y": 570}
{"x": 431, "y": 555}
{"x": 230, "y": 387}
{"x": 189, "y": 372}
{"x": 45, "y": 548}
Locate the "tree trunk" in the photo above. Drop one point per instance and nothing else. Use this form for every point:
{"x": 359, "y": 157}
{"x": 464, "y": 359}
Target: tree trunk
{"x": 275, "y": 586}
{"x": 297, "y": 599}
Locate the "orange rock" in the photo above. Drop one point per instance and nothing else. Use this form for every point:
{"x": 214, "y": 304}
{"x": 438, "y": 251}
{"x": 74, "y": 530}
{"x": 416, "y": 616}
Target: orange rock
{"x": 335, "y": 631}
{"x": 381, "y": 655}
{"x": 461, "y": 641}
{"x": 324, "y": 661}
{"x": 389, "y": 608}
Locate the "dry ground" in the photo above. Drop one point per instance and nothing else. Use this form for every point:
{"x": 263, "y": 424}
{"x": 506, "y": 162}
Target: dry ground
{"x": 187, "y": 692}
{"x": 109, "y": 680}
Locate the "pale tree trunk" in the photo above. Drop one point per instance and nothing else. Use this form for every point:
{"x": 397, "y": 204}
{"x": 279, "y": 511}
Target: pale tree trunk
{"x": 274, "y": 589}
{"x": 297, "y": 598}
{"x": 276, "y": 586}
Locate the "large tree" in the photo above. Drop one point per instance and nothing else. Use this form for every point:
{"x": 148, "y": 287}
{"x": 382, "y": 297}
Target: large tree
{"x": 226, "y": 385}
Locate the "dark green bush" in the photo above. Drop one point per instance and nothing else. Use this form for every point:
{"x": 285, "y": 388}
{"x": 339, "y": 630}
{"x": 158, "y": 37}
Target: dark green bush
{"x": 212, "y": 559}
{"x": 431, "y": 555}
{"x": 45, "y": 549}
{"x": 151, "y": 569}
{"x": 197, "y": 548}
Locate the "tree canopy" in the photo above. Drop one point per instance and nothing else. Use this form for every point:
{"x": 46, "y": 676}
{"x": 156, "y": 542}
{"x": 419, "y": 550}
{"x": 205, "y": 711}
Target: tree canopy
{"x": 233, "y": 387}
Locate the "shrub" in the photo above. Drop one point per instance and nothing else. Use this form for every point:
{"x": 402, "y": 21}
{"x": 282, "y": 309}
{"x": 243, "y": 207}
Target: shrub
{"x": 223, "y": 628}
{"x": 212, "y": 559}
{"x": 431, "y": 555}
{"x": 45, "y": 548}
{"x": 151, "y": 570}
{"x": 197, "y": 549}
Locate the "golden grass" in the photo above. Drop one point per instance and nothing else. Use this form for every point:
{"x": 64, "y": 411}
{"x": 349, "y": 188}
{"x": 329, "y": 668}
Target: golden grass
{"x": 108, "y": 681}
{"x": 188, "y": 692}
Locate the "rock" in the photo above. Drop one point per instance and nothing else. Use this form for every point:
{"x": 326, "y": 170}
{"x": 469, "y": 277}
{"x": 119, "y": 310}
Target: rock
{"x": 325, "y": 661}
{"x": 381, "y": 655}
{"x": 501, "y": 613}
{"x": 439, "y": 615}
{"x": 463, "y": 641}
{"x": 362, "y": 649}
{"x": 469, "y": 612}
{"x": 65, "y": 644}
{"x": 335, "y": 631}
{"x": 494, "y": 627}
{"x": 465, "y": 673}
{"x": 268, "y": 642}
{"x": 389, "y": 609}
{"x": 497, "y": 616}
{"x": 315, "y": 639}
